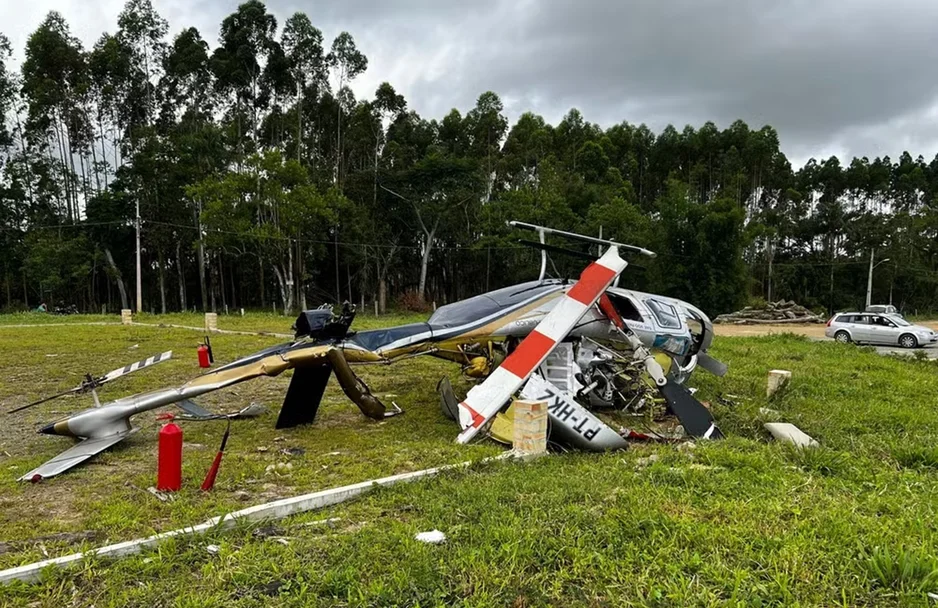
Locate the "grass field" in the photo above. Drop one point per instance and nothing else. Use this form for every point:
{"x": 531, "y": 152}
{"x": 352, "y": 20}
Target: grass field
{"x": 738, "y": 522}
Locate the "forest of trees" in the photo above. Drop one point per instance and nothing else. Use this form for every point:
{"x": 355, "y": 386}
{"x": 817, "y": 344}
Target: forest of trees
{"x": 262, "y": 182}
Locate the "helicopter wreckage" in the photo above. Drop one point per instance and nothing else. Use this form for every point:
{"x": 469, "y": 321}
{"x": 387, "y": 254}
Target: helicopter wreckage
{"x": 582, "y": 346}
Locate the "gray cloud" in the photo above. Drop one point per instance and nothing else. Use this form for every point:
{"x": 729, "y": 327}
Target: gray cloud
{"x": 852, "y": 77}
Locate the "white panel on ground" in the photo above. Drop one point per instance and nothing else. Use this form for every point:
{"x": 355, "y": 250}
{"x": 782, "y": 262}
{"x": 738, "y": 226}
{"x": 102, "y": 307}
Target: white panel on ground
{"x": 789, "y": 433}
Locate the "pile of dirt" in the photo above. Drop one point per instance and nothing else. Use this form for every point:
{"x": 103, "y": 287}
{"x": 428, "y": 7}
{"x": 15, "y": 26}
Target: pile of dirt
{"x": 772, "y": 313}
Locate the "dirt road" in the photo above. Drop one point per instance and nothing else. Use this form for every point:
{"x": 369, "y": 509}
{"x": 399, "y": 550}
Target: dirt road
{"x": 810, "y": 330}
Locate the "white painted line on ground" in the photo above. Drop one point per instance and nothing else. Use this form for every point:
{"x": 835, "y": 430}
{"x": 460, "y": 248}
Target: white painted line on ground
{"x": 215, "y": 331}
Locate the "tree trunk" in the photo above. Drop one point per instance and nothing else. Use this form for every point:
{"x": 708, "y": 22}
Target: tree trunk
{"x": 234, "y": 292}
{"x": 301, "y": 266}
{"x": 202, "y": 264}
{"x": 286, "y": 294}
{"x": 260, "y": 267}
{"x": 299, "y": 121}
{"x": 221, "y": 284}
{"x": 422, "y": 288}
{"x": 383, "y": 294}
{"x": 338, "y": 281}
{"x": 771, "y": 252}
{"x": 103, "y": 155}
{"x": 182, "y": 278}
{"x": 162, "y": 272}
{"x": 117, "y": 278}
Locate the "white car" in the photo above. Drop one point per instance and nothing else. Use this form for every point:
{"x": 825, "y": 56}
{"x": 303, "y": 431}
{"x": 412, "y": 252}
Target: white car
{"x": 873, "y": 328}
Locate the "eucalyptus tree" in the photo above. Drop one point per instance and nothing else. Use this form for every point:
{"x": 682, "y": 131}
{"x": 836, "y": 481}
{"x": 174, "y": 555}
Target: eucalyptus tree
{"x": 53, "y": 74}
{"x": 302, "y": 44}
{"x": 246, "y": 40}
{"x": 142, "y": 32}
{"x": 346, "y": 63}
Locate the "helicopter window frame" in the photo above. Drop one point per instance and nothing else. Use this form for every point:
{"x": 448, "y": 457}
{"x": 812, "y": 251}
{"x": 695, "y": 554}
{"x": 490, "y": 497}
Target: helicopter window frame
{"x": 626, "y": 308}
{"x": 666, "y": 314}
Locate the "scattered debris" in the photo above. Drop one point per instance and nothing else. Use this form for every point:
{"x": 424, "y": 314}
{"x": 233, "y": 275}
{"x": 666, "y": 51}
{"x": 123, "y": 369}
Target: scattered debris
{"x": 772, "y": 313}
{"x": 433, "y": 537}
{"x": 686, "y": 446}
{"x": 251, "y": 411}
{"x": 293, "y": 451}
{"x": 163, "y": 496}
{"x": 778, "y": 379}
{"x": 272, "y": 588}
{"x": 323, "y": 522}
{"x": 767, "y": 411}
{"x": 262, "y": 448}
{"x": 134, "y": 347}
{"x": 785, "y": 431}
{"x": 213, "y": 549}
{"x": 281, "y": 468}
{"x": 267, "y": 532}
{"x": 641, "y": 463}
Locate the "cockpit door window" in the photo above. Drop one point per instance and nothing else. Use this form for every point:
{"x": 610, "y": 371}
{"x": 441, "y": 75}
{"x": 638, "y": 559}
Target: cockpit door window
{"x": 665, "y": 314}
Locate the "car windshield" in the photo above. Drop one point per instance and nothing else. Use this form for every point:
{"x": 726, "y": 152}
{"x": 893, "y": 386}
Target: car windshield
{"x": 899, "y": 321}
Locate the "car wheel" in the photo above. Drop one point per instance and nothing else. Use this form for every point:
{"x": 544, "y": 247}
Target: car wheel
{"x": 907, "y": 341}
{"x": 842, "y": 337}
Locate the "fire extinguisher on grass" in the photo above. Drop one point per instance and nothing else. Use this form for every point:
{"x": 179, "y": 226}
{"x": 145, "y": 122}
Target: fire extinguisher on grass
{"x": 204, "y": 351}
{"x": 169, "y": 462}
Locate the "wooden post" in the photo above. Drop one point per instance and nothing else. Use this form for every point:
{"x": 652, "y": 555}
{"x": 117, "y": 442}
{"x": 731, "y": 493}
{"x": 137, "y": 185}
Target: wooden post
{"x": 778, "y": 379}
{"x": 211, "y": 322}
{"x": 126, "y": 316}
{"x": 530, "y": 430}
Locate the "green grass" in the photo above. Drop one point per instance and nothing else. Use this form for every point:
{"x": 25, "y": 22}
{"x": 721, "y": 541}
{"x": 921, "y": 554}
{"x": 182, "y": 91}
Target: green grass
{"x": 740, "y": 522}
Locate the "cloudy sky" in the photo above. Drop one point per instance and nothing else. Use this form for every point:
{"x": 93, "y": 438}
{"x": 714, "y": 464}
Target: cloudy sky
{"x": 845, "y": 77}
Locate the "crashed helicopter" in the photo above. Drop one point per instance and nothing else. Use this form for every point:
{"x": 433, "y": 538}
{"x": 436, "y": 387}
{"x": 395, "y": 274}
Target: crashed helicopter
{"x": 557, "y": 340}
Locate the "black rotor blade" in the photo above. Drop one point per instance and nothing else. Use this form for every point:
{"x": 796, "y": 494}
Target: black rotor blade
{"x": 43, "y": 400}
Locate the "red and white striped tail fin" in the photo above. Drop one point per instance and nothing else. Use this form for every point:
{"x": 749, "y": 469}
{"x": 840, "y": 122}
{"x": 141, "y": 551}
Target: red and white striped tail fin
{"x": 486, "y": 399}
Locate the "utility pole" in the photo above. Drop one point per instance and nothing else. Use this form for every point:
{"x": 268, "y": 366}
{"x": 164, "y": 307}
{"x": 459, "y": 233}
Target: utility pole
{"x": 869, "y": 281}
{"x": 139, "y": 286}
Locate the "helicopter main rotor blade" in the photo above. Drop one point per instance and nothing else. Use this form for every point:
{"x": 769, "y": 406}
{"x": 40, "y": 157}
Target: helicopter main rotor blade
{"x": 133, "y": 367}
{"x": 44, "y": 399}
{"x": 92, "y": 383}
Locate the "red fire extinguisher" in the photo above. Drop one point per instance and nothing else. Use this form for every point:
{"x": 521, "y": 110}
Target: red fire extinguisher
{"x": 206, "y": 358}
{"x": 169, "y": 468}
{"x": 202, "y": 351}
